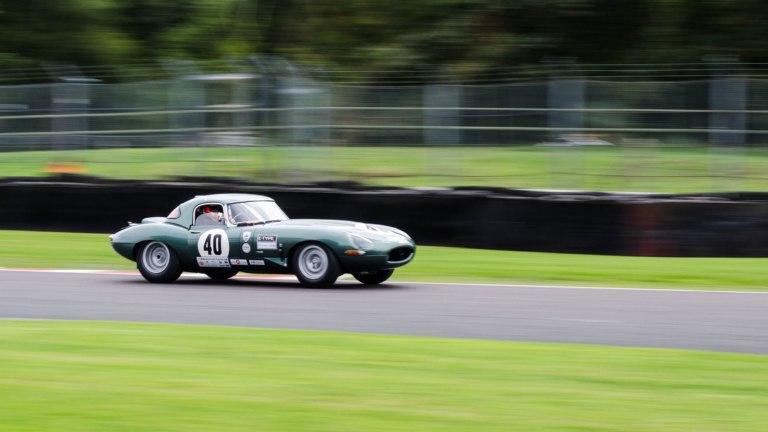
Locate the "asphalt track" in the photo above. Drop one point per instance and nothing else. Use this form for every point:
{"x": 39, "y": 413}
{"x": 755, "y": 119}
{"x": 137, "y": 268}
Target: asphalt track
{"x": 712, "y": 321}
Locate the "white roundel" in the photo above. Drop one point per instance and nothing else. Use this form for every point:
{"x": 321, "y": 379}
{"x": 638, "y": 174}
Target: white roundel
{"x": 246, "y": 248}
{"x": 213, "y": 243}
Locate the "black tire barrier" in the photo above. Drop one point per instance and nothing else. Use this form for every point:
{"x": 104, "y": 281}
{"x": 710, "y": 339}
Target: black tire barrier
{"x": 491, "y": 218}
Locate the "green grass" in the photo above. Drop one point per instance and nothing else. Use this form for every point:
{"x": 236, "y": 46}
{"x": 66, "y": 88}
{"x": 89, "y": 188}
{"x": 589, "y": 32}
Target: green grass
{"x": 436, "y": 264}
{"x": 77, "y": 376}
{"x": 646, "y": 169}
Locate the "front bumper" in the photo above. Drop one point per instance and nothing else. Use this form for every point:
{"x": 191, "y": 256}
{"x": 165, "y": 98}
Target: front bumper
{"x": 378, "y": 260}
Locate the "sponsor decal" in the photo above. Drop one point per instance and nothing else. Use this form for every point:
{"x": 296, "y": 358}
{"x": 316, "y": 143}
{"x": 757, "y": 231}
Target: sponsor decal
{"x": 256, "y": 262}
{"x": 266, "y": 242}
{"x": 212, "y": 262}
{"x": 246, "y": 248}
{"x": 238, "y": 261}
{"x": 246, "y": 236}
{"x": 213, "y": 243}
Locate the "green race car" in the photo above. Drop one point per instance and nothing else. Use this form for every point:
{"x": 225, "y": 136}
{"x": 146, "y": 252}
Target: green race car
{"x": 221, "y": 235}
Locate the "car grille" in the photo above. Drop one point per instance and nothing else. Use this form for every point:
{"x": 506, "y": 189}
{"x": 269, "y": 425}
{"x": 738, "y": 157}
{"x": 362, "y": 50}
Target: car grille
{"x": 400, "y": 254}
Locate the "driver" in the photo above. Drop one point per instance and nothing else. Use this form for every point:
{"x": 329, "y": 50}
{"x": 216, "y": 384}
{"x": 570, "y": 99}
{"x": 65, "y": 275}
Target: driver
{"x": 209, "y": 216}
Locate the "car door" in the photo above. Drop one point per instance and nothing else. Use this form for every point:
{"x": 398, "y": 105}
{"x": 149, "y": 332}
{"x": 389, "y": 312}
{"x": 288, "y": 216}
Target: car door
{"x": 210, "y": 238}
{"x": 263, "y": 244}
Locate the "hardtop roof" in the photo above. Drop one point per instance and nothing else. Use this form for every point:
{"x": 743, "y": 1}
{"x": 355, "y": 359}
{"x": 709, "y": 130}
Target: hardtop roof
{"x": 228, "y": 198}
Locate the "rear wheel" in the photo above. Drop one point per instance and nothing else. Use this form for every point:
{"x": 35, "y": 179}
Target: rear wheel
{"x": 222, "y": 274}
{"x": 158, "y": 263}
{"x": 373, "y": 277}
{"x": 315, "y": 265}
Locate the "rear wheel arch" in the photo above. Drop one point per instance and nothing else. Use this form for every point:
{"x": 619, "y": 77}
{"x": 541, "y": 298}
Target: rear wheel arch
{"x": 138, "y": 247}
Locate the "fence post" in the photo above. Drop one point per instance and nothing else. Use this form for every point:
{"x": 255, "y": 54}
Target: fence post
{"x": 727, "y": 91}
{"x": 186, "y": 92}
{"x": 297, "y": 91}
{"x": 438, "y": 97}
{"x": 70, "y": 96}
{"x": 565, "y": 91}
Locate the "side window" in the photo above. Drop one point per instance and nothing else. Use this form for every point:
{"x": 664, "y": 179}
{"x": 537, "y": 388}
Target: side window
{"x": 209, "y": 214}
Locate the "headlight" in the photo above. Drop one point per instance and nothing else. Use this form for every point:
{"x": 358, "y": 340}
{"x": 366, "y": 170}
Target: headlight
{"x": 360, "y": 242}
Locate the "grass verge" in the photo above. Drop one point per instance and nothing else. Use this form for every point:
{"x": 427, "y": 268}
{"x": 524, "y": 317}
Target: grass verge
{"x": 439, "y": 264}
{"x": 76, "y": 376}
{"x": 614, "y": 168}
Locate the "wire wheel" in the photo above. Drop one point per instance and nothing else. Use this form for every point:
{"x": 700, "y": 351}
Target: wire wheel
{"x": 315, "y": 265}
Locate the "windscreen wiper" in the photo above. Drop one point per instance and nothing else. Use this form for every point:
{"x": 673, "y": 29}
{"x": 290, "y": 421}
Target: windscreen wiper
{"x": 251, "y": 223}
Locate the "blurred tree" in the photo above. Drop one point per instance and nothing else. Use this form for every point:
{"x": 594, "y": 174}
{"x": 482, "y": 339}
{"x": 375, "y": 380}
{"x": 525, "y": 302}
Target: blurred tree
{"x": 442, "y": 34}
{"x": 195, "y": 29}
{"x": 72, "y": 31}
{"x": 446, "y": 37}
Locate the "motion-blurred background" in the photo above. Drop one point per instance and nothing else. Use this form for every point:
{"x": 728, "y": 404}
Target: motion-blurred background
{"x": 647, "y": 95}
{"x": 594, "y": 129}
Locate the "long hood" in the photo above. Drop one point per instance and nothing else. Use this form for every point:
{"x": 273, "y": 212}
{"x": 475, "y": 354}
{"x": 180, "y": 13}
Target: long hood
{"x": 325, "y": 223}
{"x": 371, "y": 230}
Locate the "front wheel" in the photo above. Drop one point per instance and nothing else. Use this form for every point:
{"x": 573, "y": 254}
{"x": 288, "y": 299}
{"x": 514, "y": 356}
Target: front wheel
{"x": 315, "y": 265}
{"x": 373, "y": 277}
{"x": 158, "y": 263}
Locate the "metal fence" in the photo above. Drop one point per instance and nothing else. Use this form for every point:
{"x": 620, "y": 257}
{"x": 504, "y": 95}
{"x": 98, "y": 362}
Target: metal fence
{"x": 251, "y": 109}
{"x": 288, "y": 127}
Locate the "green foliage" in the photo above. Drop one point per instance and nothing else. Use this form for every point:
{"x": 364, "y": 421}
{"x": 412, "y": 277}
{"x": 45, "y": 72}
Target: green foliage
{"x": 75, "y": 31}
{"x": 472, "y": 36}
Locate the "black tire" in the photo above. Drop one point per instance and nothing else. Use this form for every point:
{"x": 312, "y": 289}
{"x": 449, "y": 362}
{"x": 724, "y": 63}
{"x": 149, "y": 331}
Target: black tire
{"x": 315, "y": 265}
{"x": 158, "y": 263}
{"x": 373, "y": 277}
{"x": 221, "y": 274}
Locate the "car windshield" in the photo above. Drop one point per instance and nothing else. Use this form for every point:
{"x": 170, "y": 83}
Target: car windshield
{"x": 254, "y": 212}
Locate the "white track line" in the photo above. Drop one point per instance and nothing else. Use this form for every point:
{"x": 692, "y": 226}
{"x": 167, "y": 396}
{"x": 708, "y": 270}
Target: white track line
{"x": 290, "y": 278}
{"x": 579, "y": 287}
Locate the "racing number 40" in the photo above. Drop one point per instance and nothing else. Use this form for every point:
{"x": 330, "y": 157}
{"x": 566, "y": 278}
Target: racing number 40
{"x": 212, "y": 244}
